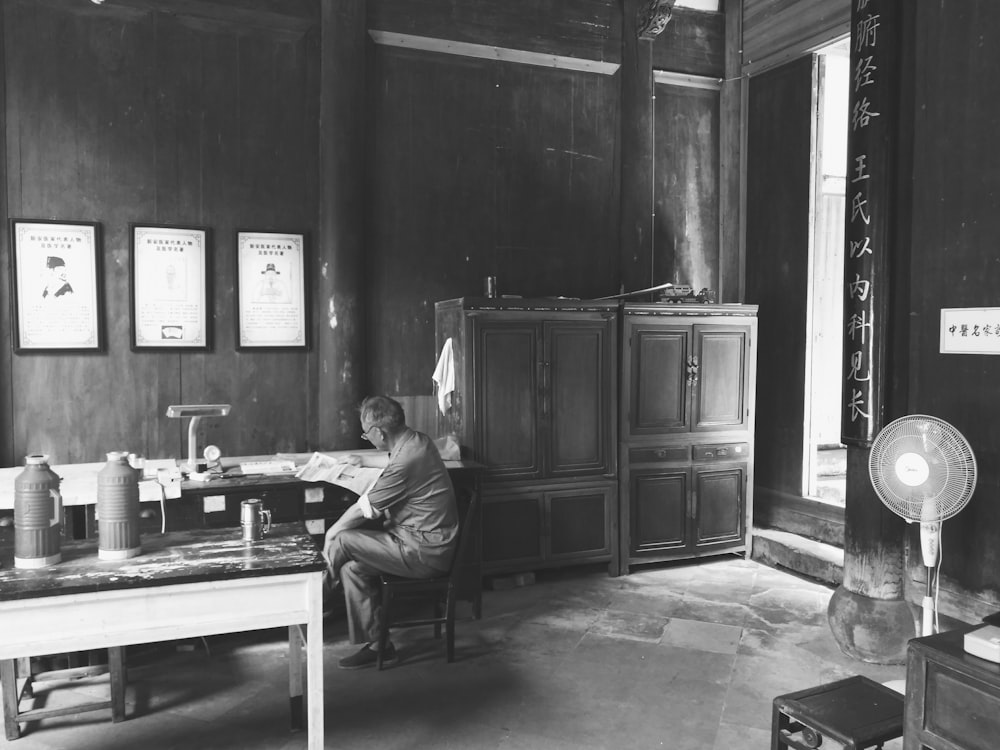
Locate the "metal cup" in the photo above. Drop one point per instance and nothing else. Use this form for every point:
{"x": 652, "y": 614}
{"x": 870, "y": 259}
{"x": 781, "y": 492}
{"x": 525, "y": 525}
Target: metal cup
{"x": 255, "y": 520}
{"x": 490, "y": 286}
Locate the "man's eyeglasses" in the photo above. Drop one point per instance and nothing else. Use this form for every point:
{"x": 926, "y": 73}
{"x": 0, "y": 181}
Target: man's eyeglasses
{"x": 364, "y": 435}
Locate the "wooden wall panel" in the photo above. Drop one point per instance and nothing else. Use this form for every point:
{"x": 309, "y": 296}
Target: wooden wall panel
{"x": 588, "y": 29}
{"x": 776, "y": 28}
{"x": 686, "y": 187}
{"x": 692, "y": 43}
{"x": 954, "y": 261}
{"x": 481, "y": 168}
{"x": 778, "y": 176}
{"x": 555, "y": 214}
{"x": 431, "y": 193}
{"x": 129, "y": 115}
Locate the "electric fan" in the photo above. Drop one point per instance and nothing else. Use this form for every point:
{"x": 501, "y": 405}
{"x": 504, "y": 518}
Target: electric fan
{"x": 923, "y": 470}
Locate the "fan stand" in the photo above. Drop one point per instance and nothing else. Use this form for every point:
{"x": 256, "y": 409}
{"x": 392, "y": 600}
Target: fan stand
{"x": 930, "y": 535}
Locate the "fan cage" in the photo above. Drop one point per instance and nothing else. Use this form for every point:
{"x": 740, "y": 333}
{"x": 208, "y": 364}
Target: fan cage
{"x": 931, "y": 444}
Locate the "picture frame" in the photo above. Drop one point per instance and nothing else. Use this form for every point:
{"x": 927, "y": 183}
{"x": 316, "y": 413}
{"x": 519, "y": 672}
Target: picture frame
{"x": 271, "y": 292}
{"x": 170, "y": 297}
{"x": 57, "y": 286}
{"x": 970, "y": 330}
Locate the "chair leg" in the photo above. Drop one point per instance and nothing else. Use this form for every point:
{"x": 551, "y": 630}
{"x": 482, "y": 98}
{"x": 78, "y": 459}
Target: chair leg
{"x": 383, "y": 625}
{"x": 449, "y": 627}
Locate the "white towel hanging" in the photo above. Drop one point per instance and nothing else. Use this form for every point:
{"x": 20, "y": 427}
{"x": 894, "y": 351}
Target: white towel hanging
{"x": 444, "y": 376}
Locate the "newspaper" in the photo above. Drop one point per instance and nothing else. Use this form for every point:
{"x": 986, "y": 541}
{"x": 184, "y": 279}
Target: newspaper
{"x": 320, "y": 468}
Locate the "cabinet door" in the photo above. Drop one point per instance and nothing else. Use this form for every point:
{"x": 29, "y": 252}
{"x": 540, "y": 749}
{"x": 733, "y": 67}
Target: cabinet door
{"x": 507, "y": 388}
{"x": 578, "y": 523}
{"x": 658, "y": 394}
{"x": 719, "y": 505}
{"x": 577, "y": 390}
{"x": 512, "y": 528}
{"x": 719, "y": 385}
{"x": 658, "y": 510}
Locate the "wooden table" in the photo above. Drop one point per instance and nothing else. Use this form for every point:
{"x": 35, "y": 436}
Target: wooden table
{"x": 317, "y": 504}
{"x": 184, "y": 584}
{"x": 952, "y": 698}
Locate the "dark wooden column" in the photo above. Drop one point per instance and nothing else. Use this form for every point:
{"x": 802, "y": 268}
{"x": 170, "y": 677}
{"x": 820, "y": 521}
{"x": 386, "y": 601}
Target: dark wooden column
{"x": 339, "y": 258}
{"x": 732, "y": 116}
{"x": 869, "y": 615}
{"x": 6, "y": 393}
{"x": 636, "y": 245}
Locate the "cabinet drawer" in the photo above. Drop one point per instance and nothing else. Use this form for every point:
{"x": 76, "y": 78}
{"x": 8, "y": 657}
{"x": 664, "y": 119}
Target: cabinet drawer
{"x": 658, "y": 453}
{"x": 707, "y": 452}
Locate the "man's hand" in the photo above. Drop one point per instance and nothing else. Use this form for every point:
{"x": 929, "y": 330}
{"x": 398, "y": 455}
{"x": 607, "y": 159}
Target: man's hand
{"x": 352, "y": 518}
{"x": 366, "y": 507}
{"x": 353, "y": 459}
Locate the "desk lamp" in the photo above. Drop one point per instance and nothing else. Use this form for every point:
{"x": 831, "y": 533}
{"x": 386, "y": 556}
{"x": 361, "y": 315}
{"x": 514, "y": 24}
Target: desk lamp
{"x": 196, "y": 412}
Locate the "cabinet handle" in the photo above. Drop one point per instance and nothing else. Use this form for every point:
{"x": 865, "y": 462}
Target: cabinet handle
{"x": 692, "y": 369}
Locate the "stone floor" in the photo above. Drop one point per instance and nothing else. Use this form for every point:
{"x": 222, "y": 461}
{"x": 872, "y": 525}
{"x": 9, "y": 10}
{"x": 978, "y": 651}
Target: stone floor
{"x": 682, "y": 656}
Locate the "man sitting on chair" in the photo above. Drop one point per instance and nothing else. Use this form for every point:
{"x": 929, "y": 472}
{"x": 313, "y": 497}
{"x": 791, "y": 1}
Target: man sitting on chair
{"x": 415, "y": 501}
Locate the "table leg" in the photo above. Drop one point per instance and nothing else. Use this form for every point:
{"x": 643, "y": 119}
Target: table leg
{"x": 314, "y": 662}
{"x": 295, "y": 703}
{"x": 8, "y": 680}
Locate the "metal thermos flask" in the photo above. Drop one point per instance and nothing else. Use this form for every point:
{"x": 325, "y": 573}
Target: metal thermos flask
{"x": 255, "y": 520}
{"x": 117, "y": 509}
{"x": 37, "y": 515}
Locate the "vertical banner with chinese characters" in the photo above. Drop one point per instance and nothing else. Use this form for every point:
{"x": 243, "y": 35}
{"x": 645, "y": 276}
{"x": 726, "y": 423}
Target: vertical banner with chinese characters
{"x": 873, "y": 112}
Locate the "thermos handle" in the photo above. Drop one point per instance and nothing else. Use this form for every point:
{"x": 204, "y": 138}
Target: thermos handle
{"x": 266, "y": 514}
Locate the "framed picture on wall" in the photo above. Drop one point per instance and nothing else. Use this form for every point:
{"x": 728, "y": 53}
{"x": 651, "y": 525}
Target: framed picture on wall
{"x": 271, "y": 300}
{"x": 169, "y": 292}
{"x": 56, "y": 286}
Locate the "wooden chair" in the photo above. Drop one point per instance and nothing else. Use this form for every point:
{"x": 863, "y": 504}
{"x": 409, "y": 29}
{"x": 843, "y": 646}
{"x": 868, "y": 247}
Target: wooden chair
{"x": 463, "y": 581}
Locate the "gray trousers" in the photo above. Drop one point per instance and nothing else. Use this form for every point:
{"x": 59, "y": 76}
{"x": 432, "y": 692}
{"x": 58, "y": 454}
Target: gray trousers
{"x": 357, "y": 557}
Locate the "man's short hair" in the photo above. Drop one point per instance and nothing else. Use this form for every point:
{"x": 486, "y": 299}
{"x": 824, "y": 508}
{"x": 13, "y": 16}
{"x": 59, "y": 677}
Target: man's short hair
{"x": 383, "y": 412}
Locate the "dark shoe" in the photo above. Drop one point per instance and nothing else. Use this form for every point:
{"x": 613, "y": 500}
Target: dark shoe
{"x": 366, "y": 657}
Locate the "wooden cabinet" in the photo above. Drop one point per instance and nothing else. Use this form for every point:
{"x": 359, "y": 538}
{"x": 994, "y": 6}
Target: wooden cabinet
{"x": 681, "y": 511}
{"x": 563, "y": 524}
{"x": 535, "y": 402}
{"x": 952, "y": 698}
{"x": 687, "y": 395}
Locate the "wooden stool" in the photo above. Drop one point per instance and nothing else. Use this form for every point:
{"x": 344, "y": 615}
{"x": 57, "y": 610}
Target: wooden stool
{"x": 856, "y": 712}
{"x": 15, "y": 686}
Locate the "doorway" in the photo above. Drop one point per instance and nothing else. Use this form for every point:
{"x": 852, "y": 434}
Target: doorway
{"x": 824, "y": 469}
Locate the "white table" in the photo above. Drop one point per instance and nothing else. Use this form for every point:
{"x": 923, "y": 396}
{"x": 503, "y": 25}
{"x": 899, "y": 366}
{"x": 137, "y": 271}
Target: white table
{"x": 184, "y": 584}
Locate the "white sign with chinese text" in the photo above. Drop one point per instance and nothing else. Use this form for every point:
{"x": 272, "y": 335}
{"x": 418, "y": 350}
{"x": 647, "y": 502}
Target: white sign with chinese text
{"x": 970, "y": 330}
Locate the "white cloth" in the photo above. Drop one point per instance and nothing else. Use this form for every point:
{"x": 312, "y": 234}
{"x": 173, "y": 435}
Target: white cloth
{"x": 366, "y": 507}
{"x": 444, "y": 376}
{"x": 364, "y": 503}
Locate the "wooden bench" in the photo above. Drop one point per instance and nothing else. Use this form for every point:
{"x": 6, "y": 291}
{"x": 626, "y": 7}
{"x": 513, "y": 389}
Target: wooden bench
{"x": 17, "y": 681}
{"x": 856, "y": 712}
